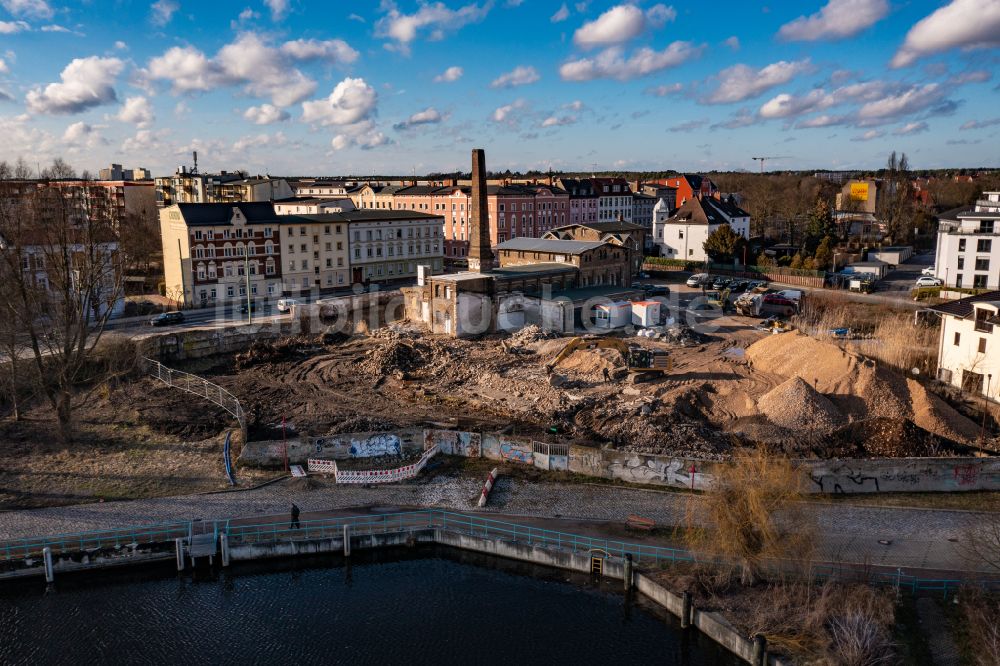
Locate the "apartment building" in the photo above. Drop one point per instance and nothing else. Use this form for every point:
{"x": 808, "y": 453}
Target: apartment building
{"x": 583, "y": 200}
{"x": 258, "y": 188}
{"x": 681, "y": 234}
{"x": 614, "y": 199}
{"x": 968, "y": 247}
{"x": 189, "y": 186}
{"x": 116, "y": 172}
{"x": 109, "y": 200}
{"x": 689, "y": 186}
{"x": 969, "y": 344}
{"x": 212, "y": 253}
{"x": 314, "y": 252}
{"x": 321, "y": 188}
{"x": 389, "y": 244}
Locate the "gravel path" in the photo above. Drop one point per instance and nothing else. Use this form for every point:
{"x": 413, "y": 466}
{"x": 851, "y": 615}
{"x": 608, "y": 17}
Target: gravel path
{"x": 916, "y": 537}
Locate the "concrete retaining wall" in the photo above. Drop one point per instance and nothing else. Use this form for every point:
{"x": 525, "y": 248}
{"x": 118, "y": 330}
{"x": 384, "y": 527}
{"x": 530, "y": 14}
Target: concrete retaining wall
{"x": 332, "y": 447}
{"x": 848, "y": 476}
{"x": 273, "y": 549}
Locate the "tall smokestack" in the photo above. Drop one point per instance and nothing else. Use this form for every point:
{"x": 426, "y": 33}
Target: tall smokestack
{"x": 480, "y": 254}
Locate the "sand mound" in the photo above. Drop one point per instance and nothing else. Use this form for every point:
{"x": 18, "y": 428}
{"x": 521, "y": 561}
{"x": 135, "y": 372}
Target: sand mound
{"x": 797, "y": 406}
{"x": 591, "y": 363}
{"x": 859, "y": 387}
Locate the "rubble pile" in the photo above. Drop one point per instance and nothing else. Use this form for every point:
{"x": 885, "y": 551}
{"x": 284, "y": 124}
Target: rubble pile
{"x": 890, "y": 438}
{"x": 394, "y": 357}
{"x": 273, "y": 352}
{"x": 529, "y": 335}
{"x": 798, "y": 406}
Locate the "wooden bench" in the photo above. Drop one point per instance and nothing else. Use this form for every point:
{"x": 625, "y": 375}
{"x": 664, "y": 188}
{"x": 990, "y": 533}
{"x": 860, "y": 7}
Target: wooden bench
{"x": 640, "y": 523}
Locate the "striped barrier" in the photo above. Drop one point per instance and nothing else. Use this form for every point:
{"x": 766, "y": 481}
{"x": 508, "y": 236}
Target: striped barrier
{"x": 488, "y": 486}
{"x": 384, "y": 475}
{"x": 318, "y": 466}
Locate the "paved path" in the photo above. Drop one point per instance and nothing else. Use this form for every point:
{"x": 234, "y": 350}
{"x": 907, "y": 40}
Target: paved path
{"x": 915, "y": 538}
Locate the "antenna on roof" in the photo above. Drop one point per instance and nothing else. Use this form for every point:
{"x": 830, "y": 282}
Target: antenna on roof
{"x": 194, "y": 169}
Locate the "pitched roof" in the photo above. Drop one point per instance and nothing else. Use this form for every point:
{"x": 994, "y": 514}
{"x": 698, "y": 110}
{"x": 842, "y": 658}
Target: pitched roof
{"x": 361, "y": 215}
{"x": 964, "y": 307}
{"x": 526, "y": 244}
{"x": 210, "y": 214}
{"x": 614, "y": 225}
{"x": 727, "y": 206}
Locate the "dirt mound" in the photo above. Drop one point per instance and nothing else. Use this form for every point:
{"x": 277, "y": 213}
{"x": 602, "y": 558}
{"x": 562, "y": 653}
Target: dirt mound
{"x": 591, "y": 363}
{"x": 394, "y": 357}
{"x": 528, "y": 335}
{"x": 796, "y": 405}
{"x": 279, "y": 351}
{"x": 890, "y": 438}
{"x": 858, "y": 386}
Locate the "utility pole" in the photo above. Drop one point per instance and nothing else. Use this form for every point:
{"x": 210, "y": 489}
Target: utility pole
{"x": 246, "y": 276}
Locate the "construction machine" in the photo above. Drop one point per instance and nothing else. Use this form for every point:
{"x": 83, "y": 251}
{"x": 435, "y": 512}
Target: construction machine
{"x": 638, "y": 359}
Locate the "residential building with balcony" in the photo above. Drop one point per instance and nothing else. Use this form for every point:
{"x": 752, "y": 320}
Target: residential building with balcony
{"x": 969, "y": 344}
{"x": 258, "y": 188}
{"x": 968, "y": 246}
{"x": 189, "y": 186}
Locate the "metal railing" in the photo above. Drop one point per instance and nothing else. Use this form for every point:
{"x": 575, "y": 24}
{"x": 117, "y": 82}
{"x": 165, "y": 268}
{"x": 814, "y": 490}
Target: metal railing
{"x": 436, "y": 519}
{"x": 201, "y": 387}
{"x": 82, "y": 542}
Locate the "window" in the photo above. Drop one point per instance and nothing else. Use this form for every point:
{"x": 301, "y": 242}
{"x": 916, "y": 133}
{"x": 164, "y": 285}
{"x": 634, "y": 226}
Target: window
{"x": 267, "y": 232}
{"x": 303, "y": 247}
{"x": 302, "y": 231}
{"x": 982, "y": 264}
{"x": 958, "y": 339}
{"x": 961, "y": 263}
{"x": 984, "y": 245}
{"x": 979, "y": 282}
{"x": 291, "y": 248}
{"x": 961, "y": 245}
{"x": 326, "y": 230}
{"x": 982, "y": 345}
{"x": 340, "y": 245}
{"x": 305, "y": 264}
{"x": 197, "y": 234}
{"x": 328, "y": 247}
{"x": 229, "y": 292}
{"x": 357, "y": 253}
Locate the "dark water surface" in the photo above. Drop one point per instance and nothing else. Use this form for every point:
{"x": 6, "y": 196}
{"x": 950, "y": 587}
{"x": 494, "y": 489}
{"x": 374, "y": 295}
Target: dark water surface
{"x": 426, "y": 607}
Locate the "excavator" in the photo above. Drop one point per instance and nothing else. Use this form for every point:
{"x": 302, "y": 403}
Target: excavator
{"x": 639, "y": 360}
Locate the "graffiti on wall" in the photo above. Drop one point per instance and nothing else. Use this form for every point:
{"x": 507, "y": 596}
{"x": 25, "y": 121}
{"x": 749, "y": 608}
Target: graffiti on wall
{"x": 637, "y": 469}
{"x": 376, "y": 445}
{"x": 454, "y": 442}
{"x": 518, "y": 452}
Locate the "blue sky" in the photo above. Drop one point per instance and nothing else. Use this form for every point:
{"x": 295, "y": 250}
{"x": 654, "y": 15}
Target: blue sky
{"x": 302, "y": 87}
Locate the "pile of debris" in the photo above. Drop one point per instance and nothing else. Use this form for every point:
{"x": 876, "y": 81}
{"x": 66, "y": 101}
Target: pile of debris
{"x": 396, "y": 357}
{"x": 890, "y": 438}
{"x": 683, "y": 336}
{"x": 797, "y": 406}
{"x": 525, "y": 337}
{"x": 279, "y": 351}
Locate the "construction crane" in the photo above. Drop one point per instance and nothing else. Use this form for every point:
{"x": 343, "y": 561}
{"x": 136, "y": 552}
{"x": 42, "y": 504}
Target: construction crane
{"x": 769, "y": 157}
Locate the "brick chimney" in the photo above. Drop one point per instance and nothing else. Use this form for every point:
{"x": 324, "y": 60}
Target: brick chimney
{"x": 480, "y": 253}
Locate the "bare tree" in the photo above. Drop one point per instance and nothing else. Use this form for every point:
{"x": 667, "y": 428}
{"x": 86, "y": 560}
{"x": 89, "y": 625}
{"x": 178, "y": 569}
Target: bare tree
{"x": 753, "y": 514}
{"x": 22, "y": 171}
{"x": 895, "y": 206}
{"x": 64, "y": 265}
{"x": 58, "y": 169}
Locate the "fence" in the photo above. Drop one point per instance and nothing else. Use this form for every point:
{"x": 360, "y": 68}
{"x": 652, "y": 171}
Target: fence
{"x": 410, "y": 521}
{"x": 381, "y": 475}
{"x": 200, "y": 387}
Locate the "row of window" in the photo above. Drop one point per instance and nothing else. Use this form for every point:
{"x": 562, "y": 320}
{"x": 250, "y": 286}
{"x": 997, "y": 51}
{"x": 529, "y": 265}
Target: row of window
{"x": 209, "y": 234}
{"x": 397, "y": 250}
{"x": 982, "y": 245}
{"x": 230, "y": 251}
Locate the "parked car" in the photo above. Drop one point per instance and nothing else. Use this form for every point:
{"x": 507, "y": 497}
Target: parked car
{"x": 930, "y": 271}
{"x": 656, "y": 290}
{"x": 285, "y": 304}
{"x": 739, "y": 286}
{"x": 720, "y": 282}
{"x": 927, "y": 281}
{"x": 698, "y": 279}
{"x": 167, "y": 319}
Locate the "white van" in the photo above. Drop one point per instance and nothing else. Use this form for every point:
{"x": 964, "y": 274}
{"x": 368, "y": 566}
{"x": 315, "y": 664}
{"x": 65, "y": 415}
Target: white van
{"x": 285, "y": 304}
{"x": 698, "y": 279}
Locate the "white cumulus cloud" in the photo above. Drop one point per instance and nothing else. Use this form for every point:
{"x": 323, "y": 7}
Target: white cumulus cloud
{"x": 561, "y": 14}
{"x": 621, "y": 24}
{"x": 741, "y": 82}
{"x": 508, "y": 113}
{"x": 960, "y": 24}
{"x": 279, "y": 8}
{"x": 138, "y": 111}
{"x": 39, "y": 9}
{"x": 352, "y": 101}
{"x": 162, "y": 11}
{"x": 911, "y": 128}
{"x": 449, "y": 75}
{"x": 13, "y": 27}
{"x": 433, "y": 17}
{"x": 85, "y": 83}
{"x": 520, "y": 76}
{"x": 613, "y": 64}
{"x": 331, "y": 50}
{"x": 559, "y": 121}
{"x": 82, "y": 135}
{"x": 265, "y": 114}
{"x": 429, "y": 116}
{"x": 837, "y": 19}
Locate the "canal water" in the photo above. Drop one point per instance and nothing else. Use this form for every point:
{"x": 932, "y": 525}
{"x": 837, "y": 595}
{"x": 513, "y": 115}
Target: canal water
{"x": 432, "y": 606}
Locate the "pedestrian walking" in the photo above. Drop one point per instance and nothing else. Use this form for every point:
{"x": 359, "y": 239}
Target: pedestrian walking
{"x": 295, "y": 518}
{"x": 607, "y": 375}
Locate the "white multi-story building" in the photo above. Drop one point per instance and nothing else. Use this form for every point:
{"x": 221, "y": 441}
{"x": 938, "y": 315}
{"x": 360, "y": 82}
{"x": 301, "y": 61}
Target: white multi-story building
{"x": 969, "y": 346}
{"x": 683, "y": 234}
{"x": 389, "y": 245}
{"x": 968, "y": 247}
{"x": 614, "y": 199}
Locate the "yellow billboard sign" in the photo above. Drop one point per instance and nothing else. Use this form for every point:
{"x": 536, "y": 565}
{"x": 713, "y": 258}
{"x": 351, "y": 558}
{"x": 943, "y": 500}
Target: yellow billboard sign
{"x": 859, "y": 191}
